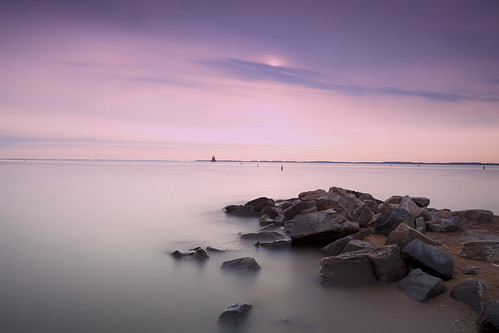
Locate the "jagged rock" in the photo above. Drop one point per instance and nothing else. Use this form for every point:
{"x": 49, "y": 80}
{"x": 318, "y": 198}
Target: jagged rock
{"x": 197, "y": 253}
{"x": 245, "y": 264}
{"x": 311, "y": 195}
{"x": 363, "y": 215}
{"x": 421, "y": 201}
{"x": 474, "y": 216}
{"x": 404, "y": 234}
{"x": 235, "y": 314}
{"x": 473, "y": 270}
{"x": 372, "y": 204}
{"x": 444, "y": 224}
{"x": 429, "y": 258}
{"x": 410, "y": 206}
{"x": 272, "y": 212}
{"x": 349, "y": 269}
{"x": 470, "y": 292}
{"x": 387, "y": 263}
{"x": 264, "y": 236}
{"x": 356, "y": 245}
{"x": 488, "y": 322}
{"x": 275, "y": 245}
{"x": 259, "y": 203}
{"x": 241, "y": 210}
{"x": 335, "y": 248}
{"x": 421, "y": 286}
{"x": 285, "y": 204}
{"x": 389, "y": 220}
{"x": 299, "y": 207}
{"x": 420, "y": 224}
{"x": 319, "y": 228}
{"x": 267, "y": 221}
{"x": 394, "y": 200}
{"x": 483, "y": 250}
{"x": 347, "y": 204}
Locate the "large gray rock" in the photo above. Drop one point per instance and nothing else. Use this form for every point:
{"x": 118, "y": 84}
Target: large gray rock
{"x": 299, "y": 207}
{"x": 489, "y": 318}
{"x": 319, "y": 228}
{"x": 394, "y": 200}
{"x": 483, "y": 250}
{"x": 349, "y": 269}
{"x": 404, "y": 234}
{"x": 421, "y": 286}
{"x": 444, "y": 224}
{"x": 234, "y": 314}
{"x": 346, "y": 203}
{"x": 336, "y": 247}
{"x": 358, "y": 245}
{"x": 470, "y": 292}
{"x": 363, "y": 215}
{"x": 389, "y": 220}
{"x": 245, "y": 264}
{"x": 263, "y": 236}
{"x": 474, "y": 216}
{"x": 259, "y": 203}
{"x": 429, "y": 258}
{"x": 409, "y": 205}
{"x": 241, "y": 210}
{"x": 387, "y": 263}
{"x": 311, "y": 195}
{"x": 421, "y": 201}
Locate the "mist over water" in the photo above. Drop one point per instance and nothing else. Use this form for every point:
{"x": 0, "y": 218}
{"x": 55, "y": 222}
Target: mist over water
{"x": 84, "y": 246}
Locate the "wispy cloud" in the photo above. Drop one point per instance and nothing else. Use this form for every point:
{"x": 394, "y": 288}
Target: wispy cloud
{"x": 256, "y": 71}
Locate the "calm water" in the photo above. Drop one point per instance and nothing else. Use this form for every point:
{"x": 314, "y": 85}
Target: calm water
{"x": 84, "y": 246}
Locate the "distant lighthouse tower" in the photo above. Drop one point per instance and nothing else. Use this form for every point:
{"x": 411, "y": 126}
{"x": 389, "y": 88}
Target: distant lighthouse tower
{"x": 213, "y": 159}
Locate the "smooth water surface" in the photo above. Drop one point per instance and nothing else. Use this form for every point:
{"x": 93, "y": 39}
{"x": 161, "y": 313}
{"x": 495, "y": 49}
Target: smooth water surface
{"x": 84, "y": 246}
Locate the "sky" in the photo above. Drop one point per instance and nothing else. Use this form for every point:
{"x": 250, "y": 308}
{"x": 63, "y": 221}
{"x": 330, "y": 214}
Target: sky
{"x": 335, "y": 80}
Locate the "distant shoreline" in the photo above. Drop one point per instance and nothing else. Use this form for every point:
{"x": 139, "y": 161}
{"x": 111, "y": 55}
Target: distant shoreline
{"x": 248, "y": 161}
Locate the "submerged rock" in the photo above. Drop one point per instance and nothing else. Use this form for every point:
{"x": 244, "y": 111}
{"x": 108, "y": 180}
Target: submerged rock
{"x": 429, "y": 258}
{"x": 470, "y": 292}
{"x": 234, "y": 314}
{"x": 245, "y": 264}
{"x": 421, "y": 286}
{"x": 196, "y": 253}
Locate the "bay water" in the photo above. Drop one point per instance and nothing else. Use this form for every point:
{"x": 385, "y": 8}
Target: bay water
{"x": 84, "y": 246}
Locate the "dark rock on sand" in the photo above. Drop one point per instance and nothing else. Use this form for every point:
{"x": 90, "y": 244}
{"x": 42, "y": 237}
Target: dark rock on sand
{"x": 245, "y": 264}
{"x": 474, "y": 216}
{"x": 387, "y": 263}
{"x": 470, "y": 292}
{"x": 349, "y": 269}
{"x": 404, "y": 234}
{"x": 444, "y": 224}
{"x": 489, "y": 318}
{"x": 429, "y": 258}
{"x": 389, "y": 220}
{"x": 421, "y": 286}
{"x": 483, "y": 250}
{"x": 473, "y": 270}
{"x": 235, "y": 314}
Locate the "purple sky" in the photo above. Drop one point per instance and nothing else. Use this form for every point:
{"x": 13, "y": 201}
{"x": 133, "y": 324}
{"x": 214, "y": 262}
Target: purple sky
{"x": 295, "y": 80}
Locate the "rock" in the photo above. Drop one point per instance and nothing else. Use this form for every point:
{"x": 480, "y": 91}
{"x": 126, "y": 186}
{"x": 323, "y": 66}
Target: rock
{"x": 272, "y": 212}
{"x": 410, "y": 206}
{"x": 445, "y": 224}
{"x": 347, "y": 204}
{"x": 483, "y": 250}
{"x": 429, "y": 258}
{"x": 311, "y": 195}
{"x": 216, "y": 249}
{"x": 421, "y": 201}
{"x": 197, "y": 253}
{"x": 387, "y": 263}
{"x": 394, "y": 200}
{"x": 389, "y": 220}
{"x": 474, "y": 216}
{"x": 421, "y": 286}
{"x": 488, "y": 322}
{"x": 276, "y": 245}
{"x": 299, "y": 207}
{"x": 267, "y": 221}
{"x": 470, "y": 292}
{"x": 356, "y": 245}
{"x": 404, "y": 234}
{"x": 259, "y": 203}
{"x": 335, "y": 248}
{"x": 372, "y": 204}
{"x": 349, "y": 269}
{"x": 241, "y": 211}
{"x": 245, "y": 264}
{"x": 264, "y": 236}
{"x": 235, "y": 314}
{"x": 420, "y": 224}
{"x": 362, "y": 215}
{"x": 473, "y": 270}
{"x": 319, "y": 228}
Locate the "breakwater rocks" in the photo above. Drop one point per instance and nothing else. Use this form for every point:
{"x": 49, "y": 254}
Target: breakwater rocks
{"x": 427, "y": 252}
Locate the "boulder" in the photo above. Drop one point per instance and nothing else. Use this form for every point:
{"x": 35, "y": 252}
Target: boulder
{"x": 196, "y": 253}
{"x": 263, "y": 236}
{"x": 483, "y": 250}
{"x": 420, "y": 224}
{"x": 356, "y": 245}
{"x": 311, "y": 195}
{"x": 241, "y": 210}
{"x": 363, "y": 215}
{"x": 389, "y": 220}
{"x": 421, "y": 286}
{"x": 410, "y": 206}
{"x": 234, "y": 314}
{"x": 387, "y": 263}
{"x": 394, "y": 200}
{"x": 299, "y": 207}
{"x": 349, "y": 269}
{"x": 488, "y": 322}
{"x": 259, "y": 203}
{"x": 335, "y": 248}
{"x": 473, "y": 270}
{"x": 404, "y": 234}
{"x": 470, "y": 292}
{"x": 275, "y": 245}
{"x": 429, "y": 258}
{"x": 272, "y": 212}
{"x": 347, "y": 204}
{"x": 444, "y": 224}
{"x": 245, "y": 264}
{"x": 319, "y": 228}
{"x": 474, "y": 216}
{"x": 421, "y": 201}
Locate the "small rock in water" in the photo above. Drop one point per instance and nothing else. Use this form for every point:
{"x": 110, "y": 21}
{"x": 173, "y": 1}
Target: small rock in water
{"x": 235, "y": 314}
{"x": 245, "y": 264}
